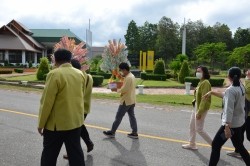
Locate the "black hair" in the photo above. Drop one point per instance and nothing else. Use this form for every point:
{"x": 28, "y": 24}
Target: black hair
{"x": 76, "y": 64}
{"x": 205, "y": 71}
{"x": 235, "y": 73}
{"x": 62, "y": 55}
{"x": 123, "y": 66}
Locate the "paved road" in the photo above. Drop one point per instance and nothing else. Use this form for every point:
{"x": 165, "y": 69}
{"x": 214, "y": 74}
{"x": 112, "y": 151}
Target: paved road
{"x": 162, "y": 131}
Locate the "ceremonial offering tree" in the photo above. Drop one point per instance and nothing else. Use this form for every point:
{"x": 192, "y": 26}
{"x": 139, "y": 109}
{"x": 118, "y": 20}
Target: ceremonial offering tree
{"x": 114, "y": 54}
{"x": 77, "y": 50}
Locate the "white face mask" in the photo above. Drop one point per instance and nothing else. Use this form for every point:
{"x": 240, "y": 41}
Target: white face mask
{"x": 199, "y": 75}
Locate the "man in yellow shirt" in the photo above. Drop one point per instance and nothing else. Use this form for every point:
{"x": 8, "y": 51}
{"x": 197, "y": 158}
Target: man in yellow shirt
{"x": 61, "y": 111}
{"x": 127, "y": 103}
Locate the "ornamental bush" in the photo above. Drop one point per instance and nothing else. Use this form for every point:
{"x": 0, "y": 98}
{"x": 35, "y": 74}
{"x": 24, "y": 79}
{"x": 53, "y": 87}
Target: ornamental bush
{"x": 215, "y": 82}
{"x": 43, "y": 69}
{"x": 184, "y": 72}
{"x": 97, "y": 80}
{"x": 159, "y": 67}
{"x": 18, "y": 70}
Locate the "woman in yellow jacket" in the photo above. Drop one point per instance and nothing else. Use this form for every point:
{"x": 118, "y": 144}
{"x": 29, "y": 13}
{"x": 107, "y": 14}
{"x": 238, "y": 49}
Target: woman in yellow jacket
{"x": 200, "y": 111}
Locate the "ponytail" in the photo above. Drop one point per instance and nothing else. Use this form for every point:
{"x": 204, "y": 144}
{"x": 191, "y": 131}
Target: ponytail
{"x": 236, "y": 81}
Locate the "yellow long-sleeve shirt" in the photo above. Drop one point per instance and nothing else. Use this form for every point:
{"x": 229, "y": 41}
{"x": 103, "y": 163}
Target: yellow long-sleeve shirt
{"x": 128, "y": 90}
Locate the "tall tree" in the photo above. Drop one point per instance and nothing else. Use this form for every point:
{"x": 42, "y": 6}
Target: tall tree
{"x": 223, "y": 34}
{"x": 242, "y": 37}
{"x": 148, "y": 36}
{"x": 240, "y": 56}
{"x": 168, "y": 39}
{"x": 210, "y": 52}
{"x": 132, "y": 39}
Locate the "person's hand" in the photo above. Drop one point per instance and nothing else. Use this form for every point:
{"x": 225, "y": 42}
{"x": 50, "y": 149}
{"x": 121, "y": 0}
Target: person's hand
{"x": 228, "y": 133}
{"x": 198, "y": 116}
{"x": 114, "y": 90}
{"x": 40, "y": 131}
{"x": 207, "y": 95}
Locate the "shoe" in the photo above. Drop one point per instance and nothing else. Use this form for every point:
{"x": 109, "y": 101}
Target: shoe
{"x": 233, "y": 154}
{"x": 190, "y": 147}
{"x": 133, "y": 135}
{"x": 109, "y": 134}
{"x": 90, "y": 147}
{"x": 65, "y": 156}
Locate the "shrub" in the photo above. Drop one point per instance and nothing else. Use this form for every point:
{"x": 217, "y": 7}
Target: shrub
{"x": 18, "y": 70}
{"x": 157, "y": 77}
{"x": 159, "y": 67}
{"x": 105, "y": 75}
{"x": 97, "y": 80}
{"x": 30, "y": 64}
{"x": 184, "y": 72}
{"x": 143, "y": 75}
{"x": 93, "y": 72}
{"x": 5, "y": 71}
{"x": 43, "y": 69}
{"x": 215, "y": 82}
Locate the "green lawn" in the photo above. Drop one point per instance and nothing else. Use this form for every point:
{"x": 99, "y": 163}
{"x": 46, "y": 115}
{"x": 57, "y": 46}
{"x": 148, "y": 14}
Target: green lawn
{"x": 176, "y": 100}
{"x": 31, "y": 77}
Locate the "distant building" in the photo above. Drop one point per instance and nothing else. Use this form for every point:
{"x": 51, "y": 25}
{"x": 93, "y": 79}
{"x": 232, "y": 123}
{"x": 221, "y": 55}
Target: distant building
{"x": 96, "y": 51}
{"x": 19, "y": 44}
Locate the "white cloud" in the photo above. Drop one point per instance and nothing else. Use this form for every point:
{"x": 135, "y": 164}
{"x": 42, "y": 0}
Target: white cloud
{"x": 109, "y": 18}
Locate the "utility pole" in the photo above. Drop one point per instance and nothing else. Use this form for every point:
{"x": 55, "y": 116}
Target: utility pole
{"x": 184, "y": 39}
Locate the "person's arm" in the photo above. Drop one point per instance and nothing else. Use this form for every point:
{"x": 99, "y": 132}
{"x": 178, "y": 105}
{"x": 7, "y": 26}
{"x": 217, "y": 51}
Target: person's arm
{"x": 215, "y": 93}
{"x": 47, "y": 101}
{"x": 228, "y": 111}
{"x": 126, "y": 86}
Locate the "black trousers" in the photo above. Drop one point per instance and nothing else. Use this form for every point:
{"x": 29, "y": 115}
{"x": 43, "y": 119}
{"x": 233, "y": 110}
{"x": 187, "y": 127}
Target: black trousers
{"x": 52, "y": 144}
{"x": 85, "y": 134}
{"x": 218, "y": 142}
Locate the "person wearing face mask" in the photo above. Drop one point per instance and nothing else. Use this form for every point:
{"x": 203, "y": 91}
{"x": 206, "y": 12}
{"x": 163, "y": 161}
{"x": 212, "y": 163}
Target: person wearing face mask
{"x": 233, "y": 118}
{"x": 201, "y": 107}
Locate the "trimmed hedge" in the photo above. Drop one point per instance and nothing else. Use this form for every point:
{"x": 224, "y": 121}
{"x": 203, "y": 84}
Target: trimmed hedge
{"x": 5, "y": 71}
{"x": 143, "y": 75}
{"x": 105, "y": 75}
{"x": 93, "y": 72}
{"x": 156, "y": 77}
{"x": 97, "y": 80}
{"x": 215, "y": 82}
{"x": 18, "y": 70}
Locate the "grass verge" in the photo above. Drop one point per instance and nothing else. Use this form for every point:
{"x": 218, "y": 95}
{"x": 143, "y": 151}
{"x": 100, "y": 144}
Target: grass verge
{"x": 175, "y": 100}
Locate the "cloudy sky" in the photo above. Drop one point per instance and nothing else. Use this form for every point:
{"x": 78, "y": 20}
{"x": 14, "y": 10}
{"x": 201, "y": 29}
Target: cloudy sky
{"x": 110, "y": 18}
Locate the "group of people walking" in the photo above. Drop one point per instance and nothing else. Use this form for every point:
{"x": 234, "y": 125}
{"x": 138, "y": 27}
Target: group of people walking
{"x": 235, "y": 119}
{"x": 66, "y": 99}
{"x": 65, "y": 103}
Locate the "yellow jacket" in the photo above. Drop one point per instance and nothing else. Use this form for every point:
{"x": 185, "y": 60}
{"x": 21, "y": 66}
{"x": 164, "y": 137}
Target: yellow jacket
{"x": 61, "y": 105}
{"x": 88, "y": 92}
{"x": 203, "y": 105}
{"x": 128, "y": 90}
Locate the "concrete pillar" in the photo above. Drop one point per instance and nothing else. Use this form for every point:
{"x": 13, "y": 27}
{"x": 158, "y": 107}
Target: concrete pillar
{"x": 6, "y": 55}
{"x": 23, "y": 58}
{"x": 35, "y": 58}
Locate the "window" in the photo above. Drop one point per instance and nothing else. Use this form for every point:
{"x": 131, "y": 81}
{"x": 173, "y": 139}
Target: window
{"x": 39, "y": 55}
{"x": 29, "y": 56}
{"x": 15, "y": 56}
{"x": 1, "y": 56}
